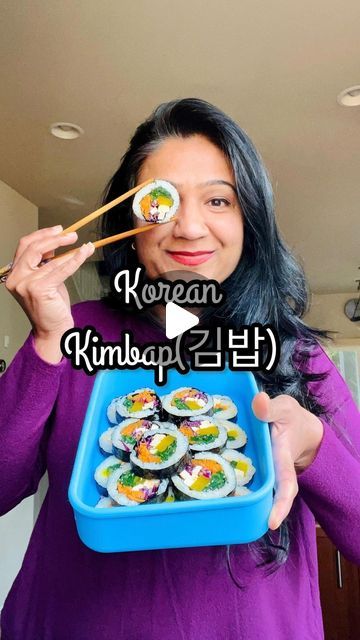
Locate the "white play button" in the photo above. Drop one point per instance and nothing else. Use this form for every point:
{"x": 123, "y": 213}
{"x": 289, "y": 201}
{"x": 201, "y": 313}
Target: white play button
{"x": 178, "y": 320}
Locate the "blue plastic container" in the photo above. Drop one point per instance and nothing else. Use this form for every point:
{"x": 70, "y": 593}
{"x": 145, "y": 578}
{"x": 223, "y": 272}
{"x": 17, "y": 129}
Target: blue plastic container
{"x": 230, "y": 520}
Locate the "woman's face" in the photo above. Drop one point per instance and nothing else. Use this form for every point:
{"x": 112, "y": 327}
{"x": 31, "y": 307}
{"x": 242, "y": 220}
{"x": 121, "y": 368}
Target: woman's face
{"x": 207, "y": 236}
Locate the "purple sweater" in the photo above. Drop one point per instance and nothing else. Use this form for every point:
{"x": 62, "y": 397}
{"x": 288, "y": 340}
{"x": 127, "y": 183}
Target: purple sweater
{"x": 65, "y": 590}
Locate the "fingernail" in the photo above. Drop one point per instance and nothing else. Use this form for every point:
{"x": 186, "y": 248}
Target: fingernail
{"x": 58, "y": 228}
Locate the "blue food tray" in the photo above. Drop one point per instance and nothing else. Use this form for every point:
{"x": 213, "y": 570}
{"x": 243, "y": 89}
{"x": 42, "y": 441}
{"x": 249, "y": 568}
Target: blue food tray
{"x": 195, "y": 523}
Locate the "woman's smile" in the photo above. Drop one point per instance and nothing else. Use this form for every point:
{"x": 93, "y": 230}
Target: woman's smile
{"x": 191, "y": 258}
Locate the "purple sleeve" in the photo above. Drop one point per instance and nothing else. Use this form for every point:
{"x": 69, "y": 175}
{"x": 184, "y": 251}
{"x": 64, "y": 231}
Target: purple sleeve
{"x": 331, "y": 484}
{"x": 28, "y": 390}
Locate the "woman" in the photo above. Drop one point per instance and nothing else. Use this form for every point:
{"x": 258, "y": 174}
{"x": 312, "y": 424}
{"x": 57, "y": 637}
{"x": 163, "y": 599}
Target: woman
{"x": 225, "y": 229}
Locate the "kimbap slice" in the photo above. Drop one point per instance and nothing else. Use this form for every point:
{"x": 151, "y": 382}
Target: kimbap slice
{"x": 186, "y": 402}
{"x": 204, "y": 434}
{"x": 206, "y": 476}
{"x": 111, "y": 412}
{"x": 104, "y": 470}
{"x": 129, "y": 490}
{"x": 127, "y": 434}
{"x": 105, "y": 442}
{"x": 236, "y": 436}
{"x": 142, "y": 403}
{"x": 243, "y": 466}
{"x": 160, "y": 453}
{"x": 156, "y": 202}
{"x": 224, "y": 408}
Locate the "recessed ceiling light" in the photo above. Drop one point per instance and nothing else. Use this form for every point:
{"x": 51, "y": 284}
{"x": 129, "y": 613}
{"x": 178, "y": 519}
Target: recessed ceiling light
{"x": 66, "y": 130}
{"x": 350, "y": 97}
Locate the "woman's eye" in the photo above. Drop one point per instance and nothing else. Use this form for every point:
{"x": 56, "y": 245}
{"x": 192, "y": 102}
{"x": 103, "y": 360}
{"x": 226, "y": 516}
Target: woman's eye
{"x": 219, "y": 202}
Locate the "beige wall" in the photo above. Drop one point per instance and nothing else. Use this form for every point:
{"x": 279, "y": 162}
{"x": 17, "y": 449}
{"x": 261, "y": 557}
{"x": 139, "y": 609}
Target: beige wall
{"x": 18, "y": 217}
{"x": 327, "y": 312}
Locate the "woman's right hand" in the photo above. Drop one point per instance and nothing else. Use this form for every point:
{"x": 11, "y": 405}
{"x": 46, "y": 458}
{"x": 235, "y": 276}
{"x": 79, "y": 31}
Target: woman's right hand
{"x": 40, "y": 290}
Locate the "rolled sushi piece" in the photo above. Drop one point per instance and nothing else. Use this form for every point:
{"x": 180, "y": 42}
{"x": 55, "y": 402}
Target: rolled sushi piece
{"x": 127, "y": 434}
{"x": 236, "y": 436}
{"x": 157, "y": 202}
{"x": 224, "y": 407}
{"x": 243, "y": 466}
{"x": 204, "y": 434}
{"x": 111, "y": 412}
{"x": 104, "y": 470}
{"x": 105, "y": 503}
{"x": 160, "y": 453}
{"x": 141, "y": 403}
{"x": 105, "y": 441}
{"x": 186, "y": 402}
{"x": 129, "y": 490}
{"x": 206, "y": 476}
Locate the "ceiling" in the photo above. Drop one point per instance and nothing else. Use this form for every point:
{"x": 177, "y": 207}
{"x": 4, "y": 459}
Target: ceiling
{"x": 275, "y": 67}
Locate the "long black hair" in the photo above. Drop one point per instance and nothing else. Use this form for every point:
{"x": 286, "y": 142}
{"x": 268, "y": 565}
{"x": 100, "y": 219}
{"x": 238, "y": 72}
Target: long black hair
{"x": 268, "y": 285}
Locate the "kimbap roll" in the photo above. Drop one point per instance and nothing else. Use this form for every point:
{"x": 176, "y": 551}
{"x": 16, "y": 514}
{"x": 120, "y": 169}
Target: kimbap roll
{"x": 129, "y": 490}
{"x": 157, "y": 202}
{"x": 160, "y": 453}
{"x": 142, "y": 403}
{"x": 186, "y": 402}
{"x": 236, "y": 436}
{"x": 104, "y": 470}
{"x": 105, "y": 442}
{"x": 204, "y": 434}
{"x": 224, "y": 408}
{"x": 126, "y": 435}
{"x": 242, "y": 466}
{"x": 206, "y": 476}
{"x": 111, "y": 412}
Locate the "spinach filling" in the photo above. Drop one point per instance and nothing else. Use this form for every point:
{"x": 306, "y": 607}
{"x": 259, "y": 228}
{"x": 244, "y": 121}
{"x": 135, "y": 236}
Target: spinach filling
{"x": 165, "y": 455}
{"x": 218, "y": 480}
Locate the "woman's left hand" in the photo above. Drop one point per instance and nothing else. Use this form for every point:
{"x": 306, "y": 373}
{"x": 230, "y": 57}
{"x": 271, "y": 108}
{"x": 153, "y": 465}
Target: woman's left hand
{"x": 296, "y": 435}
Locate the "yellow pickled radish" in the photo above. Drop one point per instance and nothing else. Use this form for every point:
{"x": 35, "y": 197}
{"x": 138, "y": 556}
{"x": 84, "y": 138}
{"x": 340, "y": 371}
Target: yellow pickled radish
{"x": 137, "y": 406}
{"x": 165, "y": 443}
{"x": 208, "y": 431}
{"x": 232, "y": 433}
{"x": 164, "y": 200}
{"x": 192, "y": 404}
{"x": 242, "y": 466}
{"x": 200, "y": 483}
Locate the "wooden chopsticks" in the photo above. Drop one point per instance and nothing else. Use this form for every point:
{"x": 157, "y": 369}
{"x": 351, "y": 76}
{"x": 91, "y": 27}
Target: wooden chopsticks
{"x": 4, "y": 271}
{"x": 96, "y": 214}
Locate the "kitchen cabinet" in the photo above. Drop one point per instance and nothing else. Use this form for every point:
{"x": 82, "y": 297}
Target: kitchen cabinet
{"x": 339, "y": 591}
